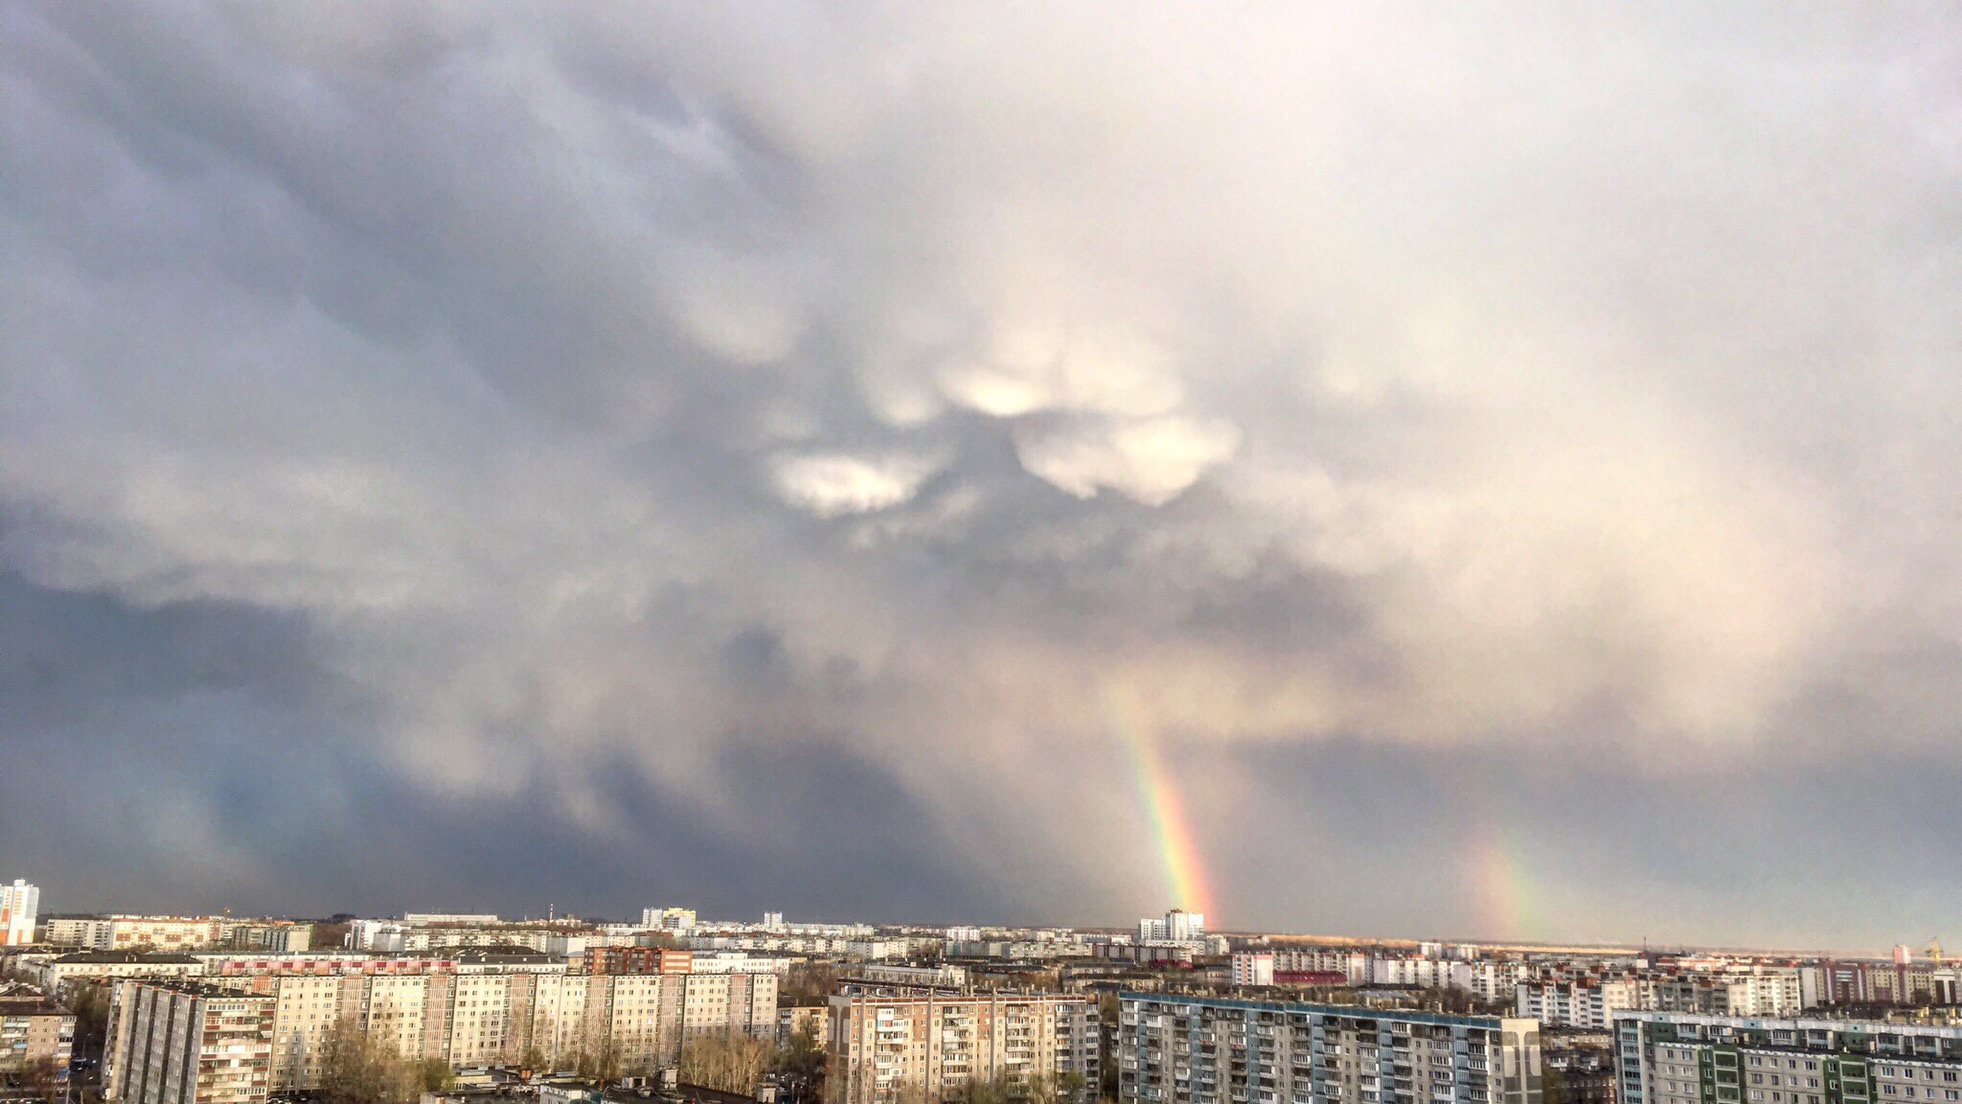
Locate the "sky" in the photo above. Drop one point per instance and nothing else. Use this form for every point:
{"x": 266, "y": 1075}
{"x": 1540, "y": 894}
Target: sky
{"x": 1408, "y": 470}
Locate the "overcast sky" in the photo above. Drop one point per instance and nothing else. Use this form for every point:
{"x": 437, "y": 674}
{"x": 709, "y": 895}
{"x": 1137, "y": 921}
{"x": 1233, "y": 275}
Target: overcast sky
{"x": 1508, "y": 462}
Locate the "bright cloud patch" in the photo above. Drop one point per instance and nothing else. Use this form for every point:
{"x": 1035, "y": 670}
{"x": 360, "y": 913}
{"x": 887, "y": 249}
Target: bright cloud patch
{"x": 834, "y": 484}
{"x": 1152, "y": 460}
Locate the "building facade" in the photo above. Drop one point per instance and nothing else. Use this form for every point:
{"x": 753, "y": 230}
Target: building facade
{"x": 476, "y": 1012}
{"x": 34, "y": 1030}
{"x": 1588, "y": 1005}
{"x": 1768, "y": 992}
{"x": 1206, "y": 1050}
{"x": 1253, "y": 968}
{"x": 905, "y": 1045}
{"x": 187, "y": 1043}
{"x": 1685, "y": 1058}
{"x": 19, "y": 904}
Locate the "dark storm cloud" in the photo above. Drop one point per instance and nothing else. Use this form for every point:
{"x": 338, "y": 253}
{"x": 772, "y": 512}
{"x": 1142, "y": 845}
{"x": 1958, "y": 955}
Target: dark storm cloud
{"x": 588, "y": 453}
{"x": 157, "y": 757}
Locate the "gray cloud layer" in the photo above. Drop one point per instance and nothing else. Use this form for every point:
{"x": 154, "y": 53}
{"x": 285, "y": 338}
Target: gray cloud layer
{"x": 756, "y": 456}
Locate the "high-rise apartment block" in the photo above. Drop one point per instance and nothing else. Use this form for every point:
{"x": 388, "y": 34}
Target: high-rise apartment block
{"x": 1207, "y": 1050}
{"x": 901, "y": 1045}
{"x": 187, "y": 1043}
{"x": 1176, "y": 926}
{"x": 1253, "y": 968}
{"x": 1684, "y": 1058}
{"x": 19, "y": 903}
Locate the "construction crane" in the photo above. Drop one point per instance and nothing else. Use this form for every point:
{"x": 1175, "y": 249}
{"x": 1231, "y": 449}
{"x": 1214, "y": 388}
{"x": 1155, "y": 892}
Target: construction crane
{"x": 1935, "y": 949}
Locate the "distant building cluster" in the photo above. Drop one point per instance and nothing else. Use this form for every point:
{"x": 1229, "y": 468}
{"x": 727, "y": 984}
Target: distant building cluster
{"x": 237, "y": 1010}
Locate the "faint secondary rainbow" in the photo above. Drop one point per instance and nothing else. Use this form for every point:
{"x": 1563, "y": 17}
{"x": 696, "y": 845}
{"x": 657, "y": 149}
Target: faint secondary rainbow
{"x": 1502, "y": 886}
{"x": 1185, "y": 873}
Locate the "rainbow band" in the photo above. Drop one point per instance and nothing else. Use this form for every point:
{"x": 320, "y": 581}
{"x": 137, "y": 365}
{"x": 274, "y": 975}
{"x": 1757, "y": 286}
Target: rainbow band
{"x": 1184, "y": 869}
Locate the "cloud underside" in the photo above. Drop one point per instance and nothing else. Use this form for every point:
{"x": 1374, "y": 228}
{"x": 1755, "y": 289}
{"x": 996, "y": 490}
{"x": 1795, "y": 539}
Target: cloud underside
{"x": 628, "y": 420}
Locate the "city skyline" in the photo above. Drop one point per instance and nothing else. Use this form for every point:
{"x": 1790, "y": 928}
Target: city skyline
{"x": 568, "y": 915}
{"x": 1345, "y": 470}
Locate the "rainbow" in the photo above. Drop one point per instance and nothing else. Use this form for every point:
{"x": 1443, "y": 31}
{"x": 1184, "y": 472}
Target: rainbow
{"x": 1502, "y": 886}
{"x": 1185, "y": 874}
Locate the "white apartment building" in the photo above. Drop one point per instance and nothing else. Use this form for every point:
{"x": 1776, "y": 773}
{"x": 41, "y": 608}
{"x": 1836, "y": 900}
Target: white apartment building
{"x": 869, "y": 949}
{"x": 160, "y": 933}
{"x": 1583, "y": 1004}
{"x": 944, "y": 976}
{"x": 58, "y": 973}
{"x": 1420, "y": 973}
{"x": 1253, "y": 968}
{"x": 667, "y": 919}
{"x": 1352, "y": 965}
{"x": 1766, "y": 991}
{"x": 19, "y": 904}
{"x": 1496, "y": 980}
{"x": 900, "y": 1045}
{"x": 1176, "y": 926}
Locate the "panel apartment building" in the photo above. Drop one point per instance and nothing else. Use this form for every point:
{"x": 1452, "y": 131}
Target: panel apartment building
{"x": 180, "y": 1042}
{"x": 1685, "y": 1058}
{"x": 34, "y": 1030}
{"x": 1588, "y": 1004}
{"x": 1208, "y": 1050}
{"x": 19, "y": 904}
{"x": 483, "y": 1013}
{"x": 898, "y": 1044}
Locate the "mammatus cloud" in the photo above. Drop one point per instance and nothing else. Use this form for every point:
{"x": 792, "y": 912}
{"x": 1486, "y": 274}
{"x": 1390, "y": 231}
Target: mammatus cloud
{"x": 830, "y": 484}
{"x": 614, "y": 409}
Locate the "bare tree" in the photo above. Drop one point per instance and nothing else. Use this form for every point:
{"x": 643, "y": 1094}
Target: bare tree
{"x": 729, "y": 1061}
{"x": 356, "y": 1068}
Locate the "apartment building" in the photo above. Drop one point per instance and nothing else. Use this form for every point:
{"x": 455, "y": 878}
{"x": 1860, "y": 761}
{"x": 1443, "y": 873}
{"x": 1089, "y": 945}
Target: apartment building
{"x": 667, "y": 919}
{"x": 1253, "y": 968}
{"x": 1353, "y": 965}
{"x": 1830, "y": 981}
{"x": 58, "y": 974}
{"x": 76, "y": 931}
{"x": 1685, "y": 1058}
{"x": 476, "y": 1012}
{"x": 868, "y": 949}
{"x": 1765, "y": 992}
{"x": 173, "y": 1042}
{"x": 905, "y": 1044}
{"x": 1586, "y": 1004}
{"x": 34, "y": 1030}
{"x": 1207, "y": 1050}
{"x": 944, "y": 976}
{"x": 638, "y": 960}
{"x": 813, "y": 1020}
{"x": 19, "y": 904}
{"x": 1176, "y": 926}
{"x": 1420, "y": 973}
{"x": 128, "y": 933}
{"x": 1497, "y": 979}
{"x": 273, "y": 937}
